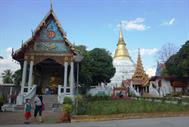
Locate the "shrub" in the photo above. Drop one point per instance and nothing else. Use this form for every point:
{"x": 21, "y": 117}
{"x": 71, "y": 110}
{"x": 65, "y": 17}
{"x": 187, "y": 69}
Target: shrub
{"x": 68, "y": 100}
{"x": 2, "y": 99}
{"x": 80, "y": 105}
{"x": 68, "y": 108}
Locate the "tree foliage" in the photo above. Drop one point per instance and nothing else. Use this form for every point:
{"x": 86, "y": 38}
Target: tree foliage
{"x": 7, "y": 76}
{"x": 178, "y": 64}
{"x": 10, "y": 77}
{"x": 101, "y": 66}
{"x": 96, "y": 66}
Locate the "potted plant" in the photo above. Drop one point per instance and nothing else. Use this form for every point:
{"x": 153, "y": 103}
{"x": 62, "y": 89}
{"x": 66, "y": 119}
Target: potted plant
{"x": 67, "y": 110}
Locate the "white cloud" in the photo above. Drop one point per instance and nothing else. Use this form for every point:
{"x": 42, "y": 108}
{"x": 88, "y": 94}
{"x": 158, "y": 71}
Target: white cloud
{"x": 9, "y": 50}
{"x": 149, "y": 52}
{"x": 136, "y": 24}
{"x": 151, "y": 71}
{"x": 169, "y": 23}
{"x": 8, "y": 63}
{"x": 144, "y": 52}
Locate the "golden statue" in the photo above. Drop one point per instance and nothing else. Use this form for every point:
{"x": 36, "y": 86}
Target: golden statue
{"x": 53, "y": 83}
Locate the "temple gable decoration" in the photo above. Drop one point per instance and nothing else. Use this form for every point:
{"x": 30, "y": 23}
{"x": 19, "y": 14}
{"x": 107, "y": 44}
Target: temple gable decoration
{"x": 49, "y": 37}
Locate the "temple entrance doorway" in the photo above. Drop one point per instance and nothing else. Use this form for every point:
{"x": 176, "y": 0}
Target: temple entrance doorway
{"x": 48, "y": 74}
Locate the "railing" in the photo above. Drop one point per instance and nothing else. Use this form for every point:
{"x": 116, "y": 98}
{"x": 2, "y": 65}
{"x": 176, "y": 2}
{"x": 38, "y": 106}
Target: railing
{"x": 27, "y": 93}
{"x": 61, "y": 93}
{"x": 171, "y": 100}
{"x": 30, "y": 92}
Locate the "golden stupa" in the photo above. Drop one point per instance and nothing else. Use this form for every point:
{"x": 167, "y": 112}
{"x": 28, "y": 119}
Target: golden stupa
{"x": 121, "y": 51}
{"x": 122, "y": 62}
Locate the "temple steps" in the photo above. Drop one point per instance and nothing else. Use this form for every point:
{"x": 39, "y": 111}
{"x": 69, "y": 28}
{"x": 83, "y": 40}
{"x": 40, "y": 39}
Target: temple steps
{"x": 51, "y": 102}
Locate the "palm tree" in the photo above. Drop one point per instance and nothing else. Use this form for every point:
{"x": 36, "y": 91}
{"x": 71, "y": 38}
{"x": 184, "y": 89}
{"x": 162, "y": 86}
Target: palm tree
{"x": 7, "y": 76}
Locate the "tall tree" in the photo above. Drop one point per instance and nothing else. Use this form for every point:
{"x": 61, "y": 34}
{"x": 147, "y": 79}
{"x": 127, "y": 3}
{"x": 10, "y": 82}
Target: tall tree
{"x": 7, "y": 76}
{"x": 166, "y": 51}
{"x": 96, "y": 66}
{"x": 178, "y": 64}
{"x": 101, "y": 66}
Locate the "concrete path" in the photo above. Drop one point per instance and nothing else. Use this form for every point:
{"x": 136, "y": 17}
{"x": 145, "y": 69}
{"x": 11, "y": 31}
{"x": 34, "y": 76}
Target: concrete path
{"x": 152, "y": 122}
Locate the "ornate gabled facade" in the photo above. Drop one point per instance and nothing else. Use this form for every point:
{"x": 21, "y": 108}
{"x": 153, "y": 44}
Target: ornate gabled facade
{"x": 122, "y": 62}
{"x": 47, "y": 61}
{"x": 48, "y": 37}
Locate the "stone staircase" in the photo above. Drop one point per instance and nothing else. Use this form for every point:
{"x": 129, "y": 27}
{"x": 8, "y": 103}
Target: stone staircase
{"x": 51, "y": 102}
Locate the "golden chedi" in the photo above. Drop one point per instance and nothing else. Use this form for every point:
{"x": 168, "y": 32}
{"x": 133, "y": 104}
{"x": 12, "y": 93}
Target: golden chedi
{"x": 123, "y": 63}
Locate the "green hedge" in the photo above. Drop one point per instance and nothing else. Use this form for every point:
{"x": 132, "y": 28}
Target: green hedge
{"x": 129, "y": 106}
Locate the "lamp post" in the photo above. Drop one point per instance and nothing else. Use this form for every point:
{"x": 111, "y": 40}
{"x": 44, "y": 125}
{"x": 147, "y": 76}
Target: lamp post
{"x": 78, "y": 58}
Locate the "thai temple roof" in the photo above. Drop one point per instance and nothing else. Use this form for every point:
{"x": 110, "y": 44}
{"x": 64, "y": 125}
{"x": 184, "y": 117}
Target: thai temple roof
{"x": 140, "y": 77}
{"x": 121, "y": 51}
{"x": 19, "y": 54}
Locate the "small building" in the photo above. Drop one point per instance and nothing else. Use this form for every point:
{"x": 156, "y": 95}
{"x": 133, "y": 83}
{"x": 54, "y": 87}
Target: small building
{"x": 169, "y": 84}
{"x": 162, "y": 84}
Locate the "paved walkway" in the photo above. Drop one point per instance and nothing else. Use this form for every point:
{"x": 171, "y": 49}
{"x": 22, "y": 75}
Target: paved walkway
{"x": 152, "y": 122}
{"x": 18, "y": 117}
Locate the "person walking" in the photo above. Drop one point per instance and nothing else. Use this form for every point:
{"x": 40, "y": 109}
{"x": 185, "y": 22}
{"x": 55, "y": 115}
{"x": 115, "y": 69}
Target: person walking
{"x": 27, "y": 113}
{"x": 38, "y": 101}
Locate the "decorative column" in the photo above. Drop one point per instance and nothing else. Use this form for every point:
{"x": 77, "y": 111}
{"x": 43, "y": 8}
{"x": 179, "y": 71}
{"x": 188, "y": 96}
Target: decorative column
{"x": 65, "y": 76}
{"x": 10, "y": 95}
{"x": 30, "y": 74}
{"x": 72, "y": 78}
{"x": 23, "y": 77}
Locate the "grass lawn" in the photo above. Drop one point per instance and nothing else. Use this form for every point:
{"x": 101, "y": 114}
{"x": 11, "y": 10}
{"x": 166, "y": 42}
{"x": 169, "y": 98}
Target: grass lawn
{"x": 107, "y": 107}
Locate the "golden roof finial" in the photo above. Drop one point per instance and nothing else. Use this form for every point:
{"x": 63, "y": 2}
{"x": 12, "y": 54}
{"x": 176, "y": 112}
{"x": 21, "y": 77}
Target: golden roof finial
{"x": 121, "y": 51}
{"x": 51, "y": 7}
{"x": 121, "y": 31}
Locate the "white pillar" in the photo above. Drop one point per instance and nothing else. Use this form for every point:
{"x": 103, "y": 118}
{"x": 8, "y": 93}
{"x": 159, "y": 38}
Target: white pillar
{"x": 30, "y": 75}
{"x": 23, "y": 77}
{"x": 65, "y": 76}
{"x": 10, "y": 94}
{"x": 72, "y": 78}
{"x": 137, "y": 89}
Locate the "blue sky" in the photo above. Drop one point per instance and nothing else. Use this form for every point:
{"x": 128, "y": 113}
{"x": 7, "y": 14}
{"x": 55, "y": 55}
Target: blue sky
{"x": 147, "y": 24}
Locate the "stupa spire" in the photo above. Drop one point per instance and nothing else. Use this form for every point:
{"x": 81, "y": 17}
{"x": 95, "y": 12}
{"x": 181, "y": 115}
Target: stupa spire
{"x": 121, "y": 51}
{"x": 139, "y": 73}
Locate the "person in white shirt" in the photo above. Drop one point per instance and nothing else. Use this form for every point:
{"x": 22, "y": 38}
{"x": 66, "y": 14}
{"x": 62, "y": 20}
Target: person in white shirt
{"x": 38, "y": 101}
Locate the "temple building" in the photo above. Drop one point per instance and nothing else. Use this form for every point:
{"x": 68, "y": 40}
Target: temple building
{"x": 139, "y": 83}
{"x": 140, "y": 79}
{"x": 123, "y": 63}
{"x": 47, "y": 61}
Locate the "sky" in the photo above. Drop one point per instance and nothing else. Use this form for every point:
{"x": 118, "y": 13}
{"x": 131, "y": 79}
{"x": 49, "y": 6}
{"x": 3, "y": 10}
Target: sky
{"x": 146, "y": 24}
